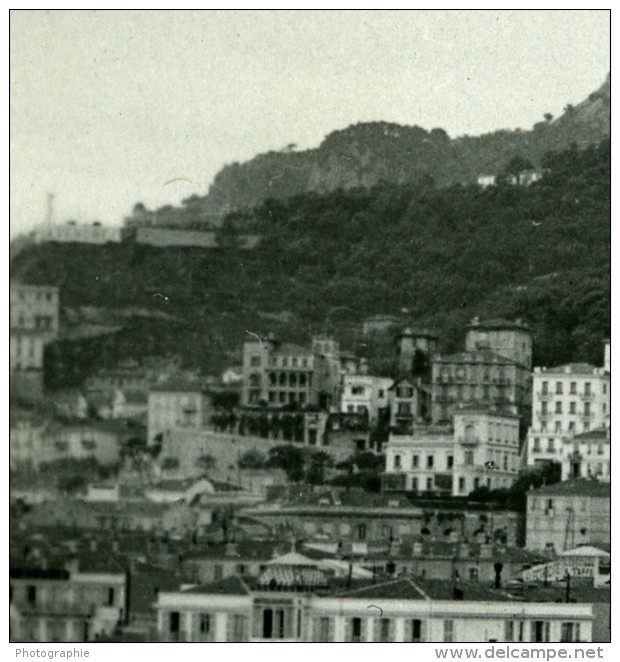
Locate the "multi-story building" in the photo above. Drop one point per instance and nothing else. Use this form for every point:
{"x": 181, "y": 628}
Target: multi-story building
{"x": 568, "y": 514}
{"x": 279, "y": 374}
{"x": 33, "y": 324}
{"x": 479, "y": 378}
{"x": 79, "y": 602}
{"x": 177, "y": 404}
{"x": 296, "y": 602}
{"x": 480, "y": 450}
{"x": 364, "y": 394}
{"x": 512, "y": 340}
{"x": 34, "y": 308}
{"x": 587, "y": 455}
{"x": 566, "y": 401}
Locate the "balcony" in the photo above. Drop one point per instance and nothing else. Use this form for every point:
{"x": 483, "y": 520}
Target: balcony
{"x": 470, "y": 442}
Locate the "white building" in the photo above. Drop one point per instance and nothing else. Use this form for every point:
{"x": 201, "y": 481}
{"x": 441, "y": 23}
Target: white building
{"x": 304, "y": 605}
{"x": 566, "y": 401}
{"x": 364, "y": 394}
{"x": 569, "y": 514}
{"x": 480, "y": 450}
{"x": 587, "y": 455}
{"x": 82, "y": 233}
{"x": 177, "y": 405}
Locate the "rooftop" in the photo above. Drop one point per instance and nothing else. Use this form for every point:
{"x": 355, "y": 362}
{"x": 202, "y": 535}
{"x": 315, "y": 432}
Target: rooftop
{"x": 572, "y": 369}
{"x": 498, "y": 323}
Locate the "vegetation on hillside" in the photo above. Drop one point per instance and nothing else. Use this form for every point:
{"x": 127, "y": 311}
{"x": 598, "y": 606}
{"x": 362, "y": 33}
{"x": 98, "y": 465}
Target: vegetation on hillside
{"x": 328, "y": 261}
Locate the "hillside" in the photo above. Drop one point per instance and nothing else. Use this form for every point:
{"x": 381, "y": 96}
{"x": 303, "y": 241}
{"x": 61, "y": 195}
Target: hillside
{"x": 327, "y": 261}
{"x": 367, "y": 154}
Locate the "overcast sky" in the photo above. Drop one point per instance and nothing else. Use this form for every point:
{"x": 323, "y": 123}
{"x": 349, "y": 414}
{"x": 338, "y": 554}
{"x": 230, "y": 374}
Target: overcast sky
{"x": 107, "y": 106}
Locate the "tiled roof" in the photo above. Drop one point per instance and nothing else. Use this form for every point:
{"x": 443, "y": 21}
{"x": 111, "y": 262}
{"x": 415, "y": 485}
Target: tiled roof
{"x": 576, "y": 487}
{"x": 398, "y": 589}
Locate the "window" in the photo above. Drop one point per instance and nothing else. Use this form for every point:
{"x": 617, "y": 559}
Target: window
{"x": 473, "y": 573}
{"x": 543, "y": 408}
{"x": 273, "y": 623}
{"x": 572, "y": 408}
{"x": 569, "y": 632}
{"x": 323, "y": 629}
{"x": 573, "y": 388}
{"x": 384, "y": 629}
{"x": 416, "y": 630}
{"x": 429, "y": 462}
{"x": 461, "y": 484}
{"x": 540, "y": 631}
{"x": 415, "y": 461}
{"x": 429, "y": 484}
{"x": 536, "y": 447}
{"x": 550, "y": 445}
{"x": 545, "y": 388}
{"x": 558, "y": 388}
{"x": 294, "y": 362}
{"x": 357, "y": 390}
{"x": 587, "y": 388}
{"x": 468, "y": 458}
{"x": 174, "y": 622}
{"x": 509, "y": 630}
{"x": 450, "y": 461}
{"x": 110, "y": 597}
{"x": 558, "y": 427}
{"x": 586, "y": 408}
{"x": 571, "y": 426}
{"x": 356, "y": 629}
{"x": 381, "y": 393}
{"x": 204, "y": 623}
{"x": 31, "y": 594}
{"x": 361, "y": 532}
{"x": 239, "y": 630}
{"x": 604, "y": 388}
{"x": 255, "y": 361}
{"x": 558, "y": 407}
{"x": 397, "y": 461}
{"x": 448, "y": 631}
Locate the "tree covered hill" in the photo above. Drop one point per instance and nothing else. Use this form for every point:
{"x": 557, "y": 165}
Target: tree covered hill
{"x": 327, "y": 261}
{"x": 366, "y": 154}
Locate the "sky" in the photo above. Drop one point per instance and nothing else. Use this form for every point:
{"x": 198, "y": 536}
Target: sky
{"x": 110, "y": 108}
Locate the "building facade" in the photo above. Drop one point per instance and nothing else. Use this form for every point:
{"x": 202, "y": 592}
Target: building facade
{"x": 480, "y": 450}
{"x": 364, "y": 394}
{"x": 512, "y": 340}
{"x": 177, "y": 405}
{"x": 569, "y": 514}
{"x": 82, "y": 233}
{"x": 566, "y": 401}
{"x": 587, "y": 455}
{"x": 279, "y": 374}
{"x": 411, "y": 611}
{"x": 478, "y": 378}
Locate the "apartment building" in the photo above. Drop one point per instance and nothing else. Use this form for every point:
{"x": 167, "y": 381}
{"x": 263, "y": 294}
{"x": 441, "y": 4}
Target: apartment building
{"x": 279, "y": 374}
{"x": 569, "y": 514}
{"x": 566, "y": 401}
{"x": 481, "y": 449}
{"x": 76, "y": 602}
